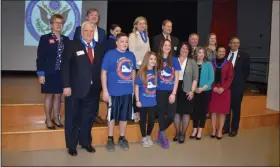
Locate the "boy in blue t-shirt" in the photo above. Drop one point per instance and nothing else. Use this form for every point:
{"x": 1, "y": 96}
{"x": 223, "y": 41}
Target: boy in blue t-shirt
{"x": 145, "y": 95}
{"x": 117, "y": 76}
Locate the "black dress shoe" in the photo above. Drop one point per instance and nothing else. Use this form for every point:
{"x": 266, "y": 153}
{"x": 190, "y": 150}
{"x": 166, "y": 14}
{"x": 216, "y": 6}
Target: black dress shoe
{"x": 89, "y": 149}
{"x": 72, "y": 152}
{"x": 226, "y": 131}
{"x": 219, "y": 138}
{"x": 192, "y": 137}
{"x": 197, "y": 138}
{"x": 49, "y": 127}
{"x": 182, "y": 139}
{"x": 176, "y": 138}
{"x": 232, "y": 134}
{"x": 58, "y": 125}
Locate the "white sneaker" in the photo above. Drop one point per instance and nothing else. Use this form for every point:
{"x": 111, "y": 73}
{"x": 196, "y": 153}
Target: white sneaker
{"x": 145, "y": 143}
{"x": 150, "y": 141}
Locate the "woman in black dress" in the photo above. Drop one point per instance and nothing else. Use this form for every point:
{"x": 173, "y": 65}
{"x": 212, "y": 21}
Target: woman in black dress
{"x": 49, "y": 53}
{"x": 111, "y": 42}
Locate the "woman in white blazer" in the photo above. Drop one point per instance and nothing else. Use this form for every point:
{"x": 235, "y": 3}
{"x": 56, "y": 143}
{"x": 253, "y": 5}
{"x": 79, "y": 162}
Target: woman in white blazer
{"x": 138, "y": 40}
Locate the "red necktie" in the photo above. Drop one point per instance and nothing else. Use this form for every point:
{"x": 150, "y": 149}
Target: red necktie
{"x": 90, "y": 55}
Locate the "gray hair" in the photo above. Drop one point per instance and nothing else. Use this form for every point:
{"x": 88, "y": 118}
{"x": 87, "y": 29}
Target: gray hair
{"x": 88, "y": 23}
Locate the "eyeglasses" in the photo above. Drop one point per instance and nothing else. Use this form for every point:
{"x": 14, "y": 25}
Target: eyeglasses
{"x": 57, "y": 23}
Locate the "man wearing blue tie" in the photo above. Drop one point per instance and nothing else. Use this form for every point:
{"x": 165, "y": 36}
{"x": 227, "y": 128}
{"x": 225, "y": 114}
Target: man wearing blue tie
{"x": 241, "y": 63}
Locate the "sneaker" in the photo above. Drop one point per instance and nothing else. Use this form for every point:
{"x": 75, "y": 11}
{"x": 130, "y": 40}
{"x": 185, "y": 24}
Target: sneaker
{"x": 145, "y": 143}
{"x": 123, "y": 144}
{"x": 110, "y": 145}
{"x": 164, "y": 143}
{"x": 150, "y": 141}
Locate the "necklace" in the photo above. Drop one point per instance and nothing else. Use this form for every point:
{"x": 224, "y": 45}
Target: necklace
{"x": 222, "y": 65}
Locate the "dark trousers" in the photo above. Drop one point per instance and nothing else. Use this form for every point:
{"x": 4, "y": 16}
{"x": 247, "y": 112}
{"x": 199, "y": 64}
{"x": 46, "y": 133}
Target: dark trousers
{"x": 234, "y": 114}
{"x": 135, "y": 108}
{"x": 151, "y": 111}
{"x": 164, "y": 107}
{"x": 201, "y": 102}
{"x": 97, "y": 109}
{"x": 79, "y": 118}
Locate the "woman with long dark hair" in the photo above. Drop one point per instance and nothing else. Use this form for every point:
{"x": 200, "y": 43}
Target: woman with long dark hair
{"x": 168, "y": 79}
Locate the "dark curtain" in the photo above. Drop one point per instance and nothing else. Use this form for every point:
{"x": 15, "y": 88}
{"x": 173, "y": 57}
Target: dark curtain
{"x": 224, "y": 20}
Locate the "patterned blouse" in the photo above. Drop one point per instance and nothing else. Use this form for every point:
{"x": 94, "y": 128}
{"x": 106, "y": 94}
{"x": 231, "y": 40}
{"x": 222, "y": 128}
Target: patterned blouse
{"x": 210, "y": 54}
{"x": 60, "y": 48}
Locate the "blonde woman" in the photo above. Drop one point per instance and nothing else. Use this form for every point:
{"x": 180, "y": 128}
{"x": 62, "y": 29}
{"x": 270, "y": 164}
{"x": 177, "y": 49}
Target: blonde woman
{"x": 138, "y": 40}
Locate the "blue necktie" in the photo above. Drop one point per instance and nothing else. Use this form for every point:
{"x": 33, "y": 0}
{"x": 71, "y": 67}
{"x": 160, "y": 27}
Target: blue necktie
{"x": 231, "y": 58}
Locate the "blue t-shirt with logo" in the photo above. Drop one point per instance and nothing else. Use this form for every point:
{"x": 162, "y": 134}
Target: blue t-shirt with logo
{"x": 166, "y": 77}
{"x": 147, "y": 93}
{"x": 119, "y": 67}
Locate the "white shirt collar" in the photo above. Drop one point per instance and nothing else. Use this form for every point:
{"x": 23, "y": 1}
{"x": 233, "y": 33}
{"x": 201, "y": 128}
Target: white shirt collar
{"x": 235, "y": 52}
{"x": 91, "y": 43}
{"x": 96, "y": 34}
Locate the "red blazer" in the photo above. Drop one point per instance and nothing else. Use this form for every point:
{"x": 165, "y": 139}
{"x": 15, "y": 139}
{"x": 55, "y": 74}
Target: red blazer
{"x": 227, "y": 76}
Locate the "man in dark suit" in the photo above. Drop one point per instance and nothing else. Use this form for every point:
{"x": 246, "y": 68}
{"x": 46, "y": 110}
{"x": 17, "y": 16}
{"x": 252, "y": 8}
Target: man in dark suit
{"x": 99, "y": 36}
{"x": 241, "y": 64}
{"x": 166, "y": 34}
{"x": 81, "y": 72}
{"x": 193, "y": 41}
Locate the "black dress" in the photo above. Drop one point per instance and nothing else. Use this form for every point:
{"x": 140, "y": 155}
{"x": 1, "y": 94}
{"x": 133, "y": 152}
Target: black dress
{"x": 184, "y": 106}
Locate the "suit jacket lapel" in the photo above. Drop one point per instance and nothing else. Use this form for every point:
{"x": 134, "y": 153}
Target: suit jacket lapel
{"x": 237, "y": 58}
{"x": 98, "y": 30}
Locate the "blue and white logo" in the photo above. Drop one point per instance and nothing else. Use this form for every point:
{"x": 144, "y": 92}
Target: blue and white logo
{"x": 39, "y": 12}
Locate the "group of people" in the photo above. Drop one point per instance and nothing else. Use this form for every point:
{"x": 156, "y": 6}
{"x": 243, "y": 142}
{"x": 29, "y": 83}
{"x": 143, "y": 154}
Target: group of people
{"x": 171, "y": 81}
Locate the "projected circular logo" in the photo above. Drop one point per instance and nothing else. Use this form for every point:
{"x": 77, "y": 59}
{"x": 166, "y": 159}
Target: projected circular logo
{"x": 38, "y": 14}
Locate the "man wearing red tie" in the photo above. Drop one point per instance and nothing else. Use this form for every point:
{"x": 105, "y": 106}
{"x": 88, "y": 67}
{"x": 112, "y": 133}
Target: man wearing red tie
{"x": 81, "y": 69}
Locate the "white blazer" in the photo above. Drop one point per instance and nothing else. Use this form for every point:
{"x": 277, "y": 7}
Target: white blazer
{"x": 138, "y": 47}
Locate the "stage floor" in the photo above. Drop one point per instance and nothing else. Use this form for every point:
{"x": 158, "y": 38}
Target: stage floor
{"x": 26, "y": 90}
{"x": 23, "y": 118}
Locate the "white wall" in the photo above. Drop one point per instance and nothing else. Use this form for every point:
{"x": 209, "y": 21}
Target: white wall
{"x": 16, "y": 56}
{"x": 273, "y": 78}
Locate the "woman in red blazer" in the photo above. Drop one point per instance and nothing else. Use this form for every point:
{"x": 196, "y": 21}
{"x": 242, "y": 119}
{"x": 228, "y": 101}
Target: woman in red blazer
{"x": 220, "y": 101}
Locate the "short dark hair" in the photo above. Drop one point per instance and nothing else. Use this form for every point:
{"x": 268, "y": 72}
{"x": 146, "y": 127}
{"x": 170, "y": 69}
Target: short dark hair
{"x": 221, "y": 46}
{"x": 188, "y": 46}
{"x": 121, "y": 35}
{"x": 114, "y": 26}
{"x": 232, "y": 38}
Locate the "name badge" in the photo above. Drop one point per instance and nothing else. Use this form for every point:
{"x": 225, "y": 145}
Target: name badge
{"x": 81, "y": 52}
{"x": 51, "y": 41}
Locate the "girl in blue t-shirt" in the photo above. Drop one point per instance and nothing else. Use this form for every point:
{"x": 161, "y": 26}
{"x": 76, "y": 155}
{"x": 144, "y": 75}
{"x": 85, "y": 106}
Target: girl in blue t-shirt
{"x": 145, "y": 94}
{"x": 168, "y": 79}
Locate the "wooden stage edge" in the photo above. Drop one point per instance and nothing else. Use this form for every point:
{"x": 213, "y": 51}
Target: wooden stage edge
{"x": 23, "y": 127}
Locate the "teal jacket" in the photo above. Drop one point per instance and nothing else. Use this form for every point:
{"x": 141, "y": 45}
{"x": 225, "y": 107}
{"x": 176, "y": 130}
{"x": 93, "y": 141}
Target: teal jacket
{"x": 206, "y": 75}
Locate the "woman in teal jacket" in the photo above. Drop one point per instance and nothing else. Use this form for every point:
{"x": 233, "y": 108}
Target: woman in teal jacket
{"x": 202, "y": 92}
